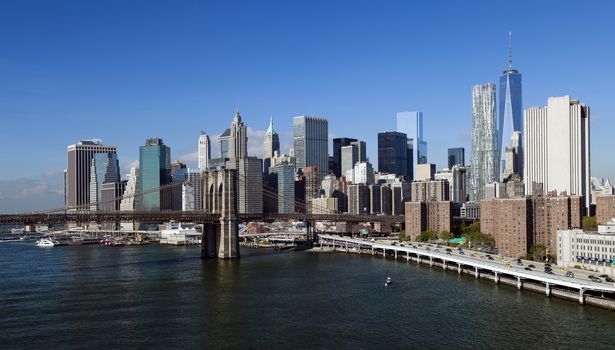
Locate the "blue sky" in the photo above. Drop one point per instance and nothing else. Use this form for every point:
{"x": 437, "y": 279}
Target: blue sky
{"x": 123, "y": 71}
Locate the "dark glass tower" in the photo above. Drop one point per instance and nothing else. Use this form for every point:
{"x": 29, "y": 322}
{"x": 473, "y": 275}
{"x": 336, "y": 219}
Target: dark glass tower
{"x": 338, "y": 143}
{"x": 393, "y": 153}
{"x": 510, "y": 114}
{"x": 456, "y": 156}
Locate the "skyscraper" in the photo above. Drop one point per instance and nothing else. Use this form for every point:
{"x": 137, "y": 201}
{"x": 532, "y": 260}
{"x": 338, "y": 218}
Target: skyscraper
{"x": 393, "y": 153}
{"x": 411, "y": 124}
{"x": 203, "y": 151}
{"x": 510, "y": 108}
{"x": 282, "y": 180}
{"x": 224, "y": 144}
{"x": 485, "y": 156}
{"x": 456, "y": 156}
{"x": 311, "y": 143}
{"x": 105, "y": 169}
{"x": 338, "y": 143}
{"x": 154, "y": 171}
{"x": 556, "y": 147}
{"x": 79, "y": 165}
{"x": 238, "y": 142}
{"x": 271, "y": 145}
{"x": 349, "y": 158}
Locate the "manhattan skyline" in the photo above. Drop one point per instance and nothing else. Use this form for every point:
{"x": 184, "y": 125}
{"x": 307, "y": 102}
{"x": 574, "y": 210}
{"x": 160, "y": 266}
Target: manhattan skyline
{"x": 128, "y": 72}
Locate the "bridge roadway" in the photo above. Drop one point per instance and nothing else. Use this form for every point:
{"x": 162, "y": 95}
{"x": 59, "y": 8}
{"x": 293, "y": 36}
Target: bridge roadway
{"x": 182, "y": 216}
{"x": 479, "y": 265}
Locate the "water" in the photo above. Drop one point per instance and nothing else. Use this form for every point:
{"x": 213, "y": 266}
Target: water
{"x": 165, "y": 297}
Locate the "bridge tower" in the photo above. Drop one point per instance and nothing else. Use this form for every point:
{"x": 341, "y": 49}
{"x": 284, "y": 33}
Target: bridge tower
{"x": 220, "y": 240}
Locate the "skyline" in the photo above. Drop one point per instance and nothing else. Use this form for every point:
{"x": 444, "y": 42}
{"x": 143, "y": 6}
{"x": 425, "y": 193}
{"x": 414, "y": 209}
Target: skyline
{"x": 66, "y": 65}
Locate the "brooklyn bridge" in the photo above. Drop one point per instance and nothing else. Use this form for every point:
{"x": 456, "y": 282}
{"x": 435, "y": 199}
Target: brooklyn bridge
{"x": 219, "y": 216}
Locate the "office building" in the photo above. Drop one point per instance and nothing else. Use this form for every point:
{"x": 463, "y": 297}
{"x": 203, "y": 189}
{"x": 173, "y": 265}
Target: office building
{"x": 363, "y": 173}
{"x": 338, "y": 143}
{"x": 154, "y": 172}
{"x": 312, "y": 184}
{"x": 249, "y": 184}
{"x": 456, "y": 156}
{"x": 510, "y": 118}
{"x": 325, "y": 205}
{"x": 224, "y": 140}
{"x": 203, "y": 151}
{"x": 392, "y": 153}
{"x": 78, "y": 176}
{"x": 411, "y": 124}
{"x": 600, "y": 187}
{"x": 349, "y": 158}
{"x": 513, "y": 161}
{"x": 179, "y": 174}
{"x": 556, "y": 147}
{"x": 192, "y": 192}
{"x": 485, "y": 156}
{"x": 434, "y": 216}
{"x": 359, "y": 199}
{"x": 594, "y": 251}
{"x": 282, "y": 181}
{"x": 311, "y": 143}
{"x": 238, "y": 139}
{"x": 130, "y": 201}
{"x": 430, "y": 190}
{"x": 457, "y": 180}
{"x": 271, "y": 146}
{"x": 104, "y": 170}
{"x": 605, "y": 208}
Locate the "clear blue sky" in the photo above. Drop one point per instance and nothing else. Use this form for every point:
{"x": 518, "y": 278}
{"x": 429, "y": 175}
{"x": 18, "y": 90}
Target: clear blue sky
{"x": 123, "y": 71}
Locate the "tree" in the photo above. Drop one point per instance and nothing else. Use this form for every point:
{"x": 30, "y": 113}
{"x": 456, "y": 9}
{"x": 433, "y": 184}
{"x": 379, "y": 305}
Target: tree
{"x": 426, "y": 236}
{"x": 589, "y": 223}
{"x": 538, "y": 252}
{"x": 444, "y": 235}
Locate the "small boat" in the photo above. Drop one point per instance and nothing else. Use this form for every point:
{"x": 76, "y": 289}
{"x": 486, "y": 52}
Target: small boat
{"x": 388, "y": 281}
{"x": 45, "y": 242}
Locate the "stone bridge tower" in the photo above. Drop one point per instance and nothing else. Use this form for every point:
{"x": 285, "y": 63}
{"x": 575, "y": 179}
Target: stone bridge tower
{"x": 220, "y": 240}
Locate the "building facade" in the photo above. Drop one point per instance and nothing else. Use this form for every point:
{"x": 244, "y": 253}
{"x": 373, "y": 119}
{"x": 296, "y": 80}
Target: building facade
{"x": 238, "y": 141}
{"x": 434, "y": 216}
{"x": 338, "y": 143}
{"x": 203, "y": 151}
{"x": 411, "y": 124}
{"x": 485, "y": 156}
{"x": 392, "y": 153}
{"x": 271, "y": 146}
{"x": 605, "y": 208}
{"x": 588, "y": 250}
{"x": 154, "y": 172}
{"x": 282, "y": 179}
{"x": 456, "y": 156}
{"x": 311, "y": 143}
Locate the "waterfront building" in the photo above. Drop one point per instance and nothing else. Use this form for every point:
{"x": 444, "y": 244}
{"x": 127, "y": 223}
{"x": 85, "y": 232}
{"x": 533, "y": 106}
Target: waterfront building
{"x": 104, "y": 170}
{"x": 224, "y": 140}
{"x": 434, "y": 216}
{"x": 517, "y": 224}
{"x": 78, "y": 171}
{"x": 411, "y": 124}
{"x": 282, "y": 181}
{"x": 311, "y": 143}
{"x": 393, "y": 153}
{"x": 594, "y": 251}
{"x": 203, "y": 151}
{"x": 430, "y": 190}
{"x": 154, "y": 172}
{"x": 605, "y": 208}
{"x": 338, "y": 143}
{"x": 456, "y": 156}
{"x": 485, "y": 156}
{"x": 271, "y": 146}
{"x": 556, "y": 147}
{"x": 425, "y": 172}
{"x": 386, "y": 203}
{"x": 510, "y": 118}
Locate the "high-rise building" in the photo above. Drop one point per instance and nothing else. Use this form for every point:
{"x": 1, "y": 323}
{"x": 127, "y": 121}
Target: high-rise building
{"x": 411, "y": 124}
{"x": 224, "y": 144}
{"x": 434, "y": 216}
{"x": 361, "y": 150}
{"x": 363, "y": 173}
{"x": 154, "y": 172}
{"x": 271, "y": 146}
{"x": 312, "y": 185}
{"x": 430, "y": 190}
{"x": 425, "y": 172}
{"x": 238, "y": 142}
{"x": 393, "y": 153}
{"x": 250, "y": 184}
{"x": 203, "y": 151}
{"x": 556, "y": 147}
{"x": 130, "y": 201}
{"x": 105, "y": 170}
{"x": 485, "y": 156}
{"x": 179, "y": 173}
{"x": 192, "y": 192}
{"x": 359, "y": 199}
{"x": 513, "y": 157}
{"x": 349, "y": 158}
{"x": 338, "y": 143}
{"x": 510, "y": 108}
{"x": 78, "y": 176}
{"x": 282, "y": 180}
{"x": 605, "y": 208}
{"x": 456, "y": 156}
{"x": 456, "y": 177}
{"x": 311, "y": 143}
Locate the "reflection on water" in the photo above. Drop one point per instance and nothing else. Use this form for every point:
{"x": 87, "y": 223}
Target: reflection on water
{"x": 166, "y": 297}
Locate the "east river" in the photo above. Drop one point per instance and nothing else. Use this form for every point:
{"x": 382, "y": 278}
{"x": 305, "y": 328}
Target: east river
{"x": 160, "y": 297}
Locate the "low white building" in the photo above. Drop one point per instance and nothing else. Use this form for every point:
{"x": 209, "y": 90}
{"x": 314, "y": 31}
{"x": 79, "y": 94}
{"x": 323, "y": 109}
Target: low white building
{"x": 590, "y": 250}
{"x": 180, "y": 234}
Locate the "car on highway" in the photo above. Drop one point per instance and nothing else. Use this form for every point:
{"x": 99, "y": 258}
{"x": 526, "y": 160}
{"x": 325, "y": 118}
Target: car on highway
{"x": 607, "y": 278}
{"x": 569, "y": 274}
{"x": 394, "y": 243}
{"x": 549, "y": 272}
{"x": 531, "y": 266}
{"x": 461, "y": 252}
{"x": 595, "y": 279}
{"x": 527, "y": 268}
{"x": 449, "y": 250}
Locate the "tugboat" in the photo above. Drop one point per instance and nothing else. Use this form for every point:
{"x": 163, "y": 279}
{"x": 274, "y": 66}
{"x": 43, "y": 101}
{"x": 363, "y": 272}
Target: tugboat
{"x": 388, "y": 281}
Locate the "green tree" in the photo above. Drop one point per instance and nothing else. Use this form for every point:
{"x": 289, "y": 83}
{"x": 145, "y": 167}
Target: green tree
{"x": 538, "y": 252}
{"x": 589, "y": 223}
{"x": 444, "y": 235}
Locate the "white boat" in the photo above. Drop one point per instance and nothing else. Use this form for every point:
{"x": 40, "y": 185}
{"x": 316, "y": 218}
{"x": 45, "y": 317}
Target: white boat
{"x": 44, "y": 242}
{"x": 388, "y": 281}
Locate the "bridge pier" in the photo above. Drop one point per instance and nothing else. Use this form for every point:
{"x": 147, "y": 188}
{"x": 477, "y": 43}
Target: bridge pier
{"x": 547, "y": 289}
{"x": 519, "y": 283}
{"x": 221, "y": 240}
{"x": 581, "y": 296}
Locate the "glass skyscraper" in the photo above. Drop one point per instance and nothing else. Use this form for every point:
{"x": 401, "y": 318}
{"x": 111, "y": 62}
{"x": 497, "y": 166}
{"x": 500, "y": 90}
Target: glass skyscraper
{"x": 393, "y": 153}
{"x": 485, "y": 156}
{"x": 311, "y": 143}
{"x": 510, "y": 118}
{"x": 154, "y": 171}
{"x": 456, "y": 156}
{"x": 411, "y": 124}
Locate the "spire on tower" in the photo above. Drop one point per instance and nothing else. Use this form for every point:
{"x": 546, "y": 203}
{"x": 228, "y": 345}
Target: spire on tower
{"x": 509, "y": 50}
{"x": 270, "y": 130}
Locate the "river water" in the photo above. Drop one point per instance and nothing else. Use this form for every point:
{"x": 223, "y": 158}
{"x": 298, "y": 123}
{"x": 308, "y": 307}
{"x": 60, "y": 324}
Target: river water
{"x": 161, "y": 297}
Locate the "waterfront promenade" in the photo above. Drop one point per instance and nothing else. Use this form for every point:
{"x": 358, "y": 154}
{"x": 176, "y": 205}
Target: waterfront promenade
{"x": 500, "y": 271}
